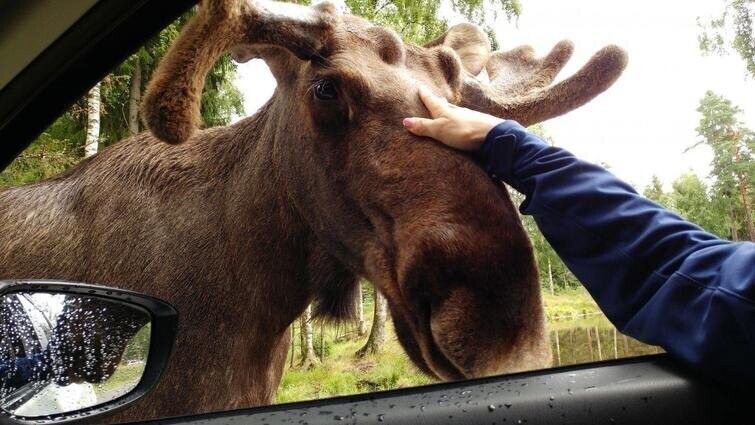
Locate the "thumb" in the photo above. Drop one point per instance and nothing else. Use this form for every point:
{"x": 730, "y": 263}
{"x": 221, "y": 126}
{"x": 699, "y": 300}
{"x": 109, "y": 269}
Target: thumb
{"x": 420, "y": 126}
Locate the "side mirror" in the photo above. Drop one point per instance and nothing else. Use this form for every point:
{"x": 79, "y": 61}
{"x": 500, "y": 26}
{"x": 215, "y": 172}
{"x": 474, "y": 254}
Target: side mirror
{"x": 71, "y": 351}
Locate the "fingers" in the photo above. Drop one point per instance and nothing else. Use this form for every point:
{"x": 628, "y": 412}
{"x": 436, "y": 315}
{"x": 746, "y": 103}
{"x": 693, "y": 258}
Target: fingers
{"x": 420, "y": 126}
{"x": 435, "y": 104}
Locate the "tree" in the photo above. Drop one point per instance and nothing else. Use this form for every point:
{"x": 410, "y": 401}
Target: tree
{"x": 733, "y": 167}
{"x": 376, "y": 339}
{"x": 654, "y": 192}
{"x": 690, "y": 198}
{"x": 308, "y": 356}
{"x": 359, "y": 302}
{"x": 419, "y": 21}
{"x": 731, "y": 30}
{"x": 92, "y": 142}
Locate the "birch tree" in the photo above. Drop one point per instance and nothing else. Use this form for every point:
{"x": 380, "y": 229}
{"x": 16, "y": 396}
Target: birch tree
{"x": 359, "y": 302}
{"x": 92, "y": 140}
{"x": 308, "y": 356}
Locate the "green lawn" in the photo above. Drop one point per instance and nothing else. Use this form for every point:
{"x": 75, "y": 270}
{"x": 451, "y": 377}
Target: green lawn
{"x": 343, "y": 373}
{"x": 569, "y": 304}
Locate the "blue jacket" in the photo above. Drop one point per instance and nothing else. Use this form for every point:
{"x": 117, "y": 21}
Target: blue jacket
{"x": 657, "y": 277}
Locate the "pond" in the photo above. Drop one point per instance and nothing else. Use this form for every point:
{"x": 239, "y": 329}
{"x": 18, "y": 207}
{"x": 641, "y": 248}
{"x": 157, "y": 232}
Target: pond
{"x": 592, "y": 338}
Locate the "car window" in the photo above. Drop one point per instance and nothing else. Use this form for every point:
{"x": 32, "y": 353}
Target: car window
{"x": 666, "y": 128}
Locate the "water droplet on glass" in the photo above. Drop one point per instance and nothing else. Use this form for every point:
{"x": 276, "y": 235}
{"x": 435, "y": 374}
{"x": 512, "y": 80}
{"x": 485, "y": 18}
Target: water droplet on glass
{"x": 491, "y": 408}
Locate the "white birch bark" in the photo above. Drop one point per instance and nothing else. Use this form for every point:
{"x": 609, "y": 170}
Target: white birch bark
{"x": 361, "y": 324}
{"x": 91, "y": 144}
{"x": 308, "y": 356}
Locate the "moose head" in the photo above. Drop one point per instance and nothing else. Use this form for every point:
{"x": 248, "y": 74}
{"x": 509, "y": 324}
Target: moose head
{"x": 438, "y": 237}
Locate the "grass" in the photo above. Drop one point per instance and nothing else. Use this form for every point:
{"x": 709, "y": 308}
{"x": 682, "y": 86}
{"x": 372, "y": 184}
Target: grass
{"x": 125, "y": 376}
{"x": 569, "y": 304}
{"x": 341, "y": 372}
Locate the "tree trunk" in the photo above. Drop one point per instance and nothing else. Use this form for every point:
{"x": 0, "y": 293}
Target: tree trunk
{"x": 733, "y": 223}
{"x": 597, "y": 338}
{"x": 742, "y": 183}
{"x": 293, "y": 345}
{"x": 135, "y": 97}
{"x": 550, "y": 276}
{"x": 308, "y": 356}
{"x": 376, "y": 339}
{"x": 361, "y": 324}
{"x": 747, "y": 207}
{"x": 91, "y": 143}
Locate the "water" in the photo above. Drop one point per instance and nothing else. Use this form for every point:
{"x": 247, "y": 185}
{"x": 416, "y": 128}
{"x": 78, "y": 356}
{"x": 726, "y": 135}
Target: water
{"x": 590, "y": 339}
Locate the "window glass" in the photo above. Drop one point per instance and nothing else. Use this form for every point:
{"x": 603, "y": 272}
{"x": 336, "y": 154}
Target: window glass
{"x": 676, "y": 126}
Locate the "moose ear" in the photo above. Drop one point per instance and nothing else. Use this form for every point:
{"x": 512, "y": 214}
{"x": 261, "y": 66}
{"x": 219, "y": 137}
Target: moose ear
{"x": 469, "y": 42}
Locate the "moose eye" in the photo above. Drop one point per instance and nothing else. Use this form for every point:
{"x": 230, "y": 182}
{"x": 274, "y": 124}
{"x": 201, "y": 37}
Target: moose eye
{"x": 325, "y": 90}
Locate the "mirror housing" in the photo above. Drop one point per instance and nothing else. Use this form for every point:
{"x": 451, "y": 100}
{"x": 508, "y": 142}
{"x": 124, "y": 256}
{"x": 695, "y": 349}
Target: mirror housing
{"x": 150, "y": 317}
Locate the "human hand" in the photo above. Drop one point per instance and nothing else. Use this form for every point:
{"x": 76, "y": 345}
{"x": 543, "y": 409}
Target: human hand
{"x": 457, "y": 127}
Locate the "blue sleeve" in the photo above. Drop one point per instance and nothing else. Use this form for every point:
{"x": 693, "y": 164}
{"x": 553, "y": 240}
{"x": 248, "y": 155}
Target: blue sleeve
{"x": 657, "y": 277}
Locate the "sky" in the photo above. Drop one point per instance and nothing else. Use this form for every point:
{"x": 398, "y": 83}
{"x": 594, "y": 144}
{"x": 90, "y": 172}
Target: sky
{"x": 641, "y": 126}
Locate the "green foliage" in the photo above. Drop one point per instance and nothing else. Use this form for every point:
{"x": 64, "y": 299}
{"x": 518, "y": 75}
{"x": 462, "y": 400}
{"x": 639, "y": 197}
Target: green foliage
{"x": 733, "y": 167}
{"x": 138, "y": 347}
{"x": 44, "y": 158}
{"x": 419, "y": 21}
{"x": 732, "y": 30}
{"x": 690, "y": 199}
{"x": 654, "y": 192}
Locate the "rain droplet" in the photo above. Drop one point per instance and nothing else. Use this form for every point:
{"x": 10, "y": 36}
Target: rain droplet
{"x": 381, "y": 417}
{"x": 491, "y": 408}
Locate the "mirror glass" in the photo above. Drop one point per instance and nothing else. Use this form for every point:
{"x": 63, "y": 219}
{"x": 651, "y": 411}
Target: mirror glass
{"x": 64, "y": 352}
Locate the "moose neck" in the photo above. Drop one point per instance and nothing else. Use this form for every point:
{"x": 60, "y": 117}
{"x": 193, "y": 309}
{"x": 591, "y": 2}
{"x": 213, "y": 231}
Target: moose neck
{"x": 268, "y": 234}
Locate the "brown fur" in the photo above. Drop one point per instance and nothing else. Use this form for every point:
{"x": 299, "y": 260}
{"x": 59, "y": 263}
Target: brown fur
{"x": 241, "y": 227}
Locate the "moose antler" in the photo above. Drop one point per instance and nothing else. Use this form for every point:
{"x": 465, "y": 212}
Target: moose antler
{"x": 171, "y": 107}
{"x": 520, "y": 84}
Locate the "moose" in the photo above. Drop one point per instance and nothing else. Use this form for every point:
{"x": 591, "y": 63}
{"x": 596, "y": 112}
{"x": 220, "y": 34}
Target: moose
{"x": 241, "y": 227}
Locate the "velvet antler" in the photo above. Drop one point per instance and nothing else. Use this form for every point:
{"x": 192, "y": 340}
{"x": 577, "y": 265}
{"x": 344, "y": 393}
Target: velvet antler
{"x": 519, "y": 84}
{"x": 171, "y": 107}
